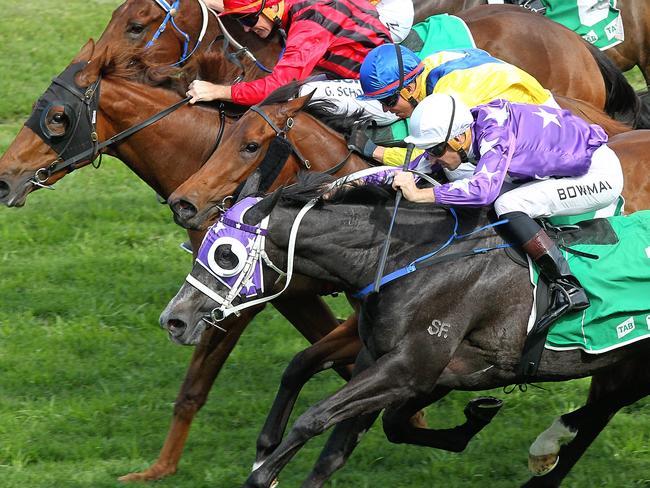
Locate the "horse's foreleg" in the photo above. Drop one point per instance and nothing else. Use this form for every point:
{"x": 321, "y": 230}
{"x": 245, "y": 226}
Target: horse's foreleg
{"x": 207, "y": 360}
{"x": 339, "y": 347}
{"x": 389, "y": 380}
{"x": 338, "y": 449}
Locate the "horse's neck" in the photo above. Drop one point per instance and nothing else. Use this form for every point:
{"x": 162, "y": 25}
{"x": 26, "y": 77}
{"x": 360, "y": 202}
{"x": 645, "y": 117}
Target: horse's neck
{"x": 167, "y": 152}
{"x": 342, "y": 242}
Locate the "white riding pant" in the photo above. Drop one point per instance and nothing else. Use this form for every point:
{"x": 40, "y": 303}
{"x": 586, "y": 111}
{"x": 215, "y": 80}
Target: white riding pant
{"x": 343, "y": 94}
{"x": 398, "y": 16}
{"x": 596, "y": 190}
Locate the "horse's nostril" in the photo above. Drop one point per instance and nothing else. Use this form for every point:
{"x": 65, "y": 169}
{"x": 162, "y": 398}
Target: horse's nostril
{"x": 4, "y": 189}
{"x": 184, "y": 209}
{"x": 176, "y": 327}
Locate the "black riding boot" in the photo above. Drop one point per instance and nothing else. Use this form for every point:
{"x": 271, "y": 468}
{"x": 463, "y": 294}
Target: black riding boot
{"x": 568, "y": 294}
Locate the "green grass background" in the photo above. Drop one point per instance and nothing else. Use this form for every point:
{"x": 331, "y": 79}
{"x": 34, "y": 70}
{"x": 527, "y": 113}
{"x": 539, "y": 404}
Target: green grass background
{"x": 87, "y": 379}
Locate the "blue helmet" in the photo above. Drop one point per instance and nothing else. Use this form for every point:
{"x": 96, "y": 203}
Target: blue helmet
{"x": 380, "y": 76}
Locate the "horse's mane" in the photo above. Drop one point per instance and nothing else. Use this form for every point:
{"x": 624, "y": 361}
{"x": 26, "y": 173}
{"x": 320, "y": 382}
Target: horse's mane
{"x": 323, "y": 110}
{"x": 312, "y": 185}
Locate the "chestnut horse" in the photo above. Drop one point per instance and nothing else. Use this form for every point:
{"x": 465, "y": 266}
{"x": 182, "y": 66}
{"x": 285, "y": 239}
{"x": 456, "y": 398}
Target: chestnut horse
{"x": 240, "y": 156}
{"x": 552, "y": 54}
{"x": 633, "y": 51}
{"x": 131, "y": 26}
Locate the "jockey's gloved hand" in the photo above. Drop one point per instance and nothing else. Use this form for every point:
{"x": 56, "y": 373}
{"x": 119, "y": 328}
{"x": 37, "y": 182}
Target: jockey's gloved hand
{"x": 360, "y": 142}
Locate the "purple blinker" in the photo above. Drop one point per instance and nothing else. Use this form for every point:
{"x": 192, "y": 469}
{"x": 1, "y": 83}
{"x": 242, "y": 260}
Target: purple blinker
{"x": 230, "y": 233}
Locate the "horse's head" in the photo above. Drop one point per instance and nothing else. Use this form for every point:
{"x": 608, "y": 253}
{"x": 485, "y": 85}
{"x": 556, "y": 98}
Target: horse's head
{"x": 62, "y": 124}
{"x": 277, "y": 138}
{"x": 231, "y": 273}
{"x": 135, "y": 25}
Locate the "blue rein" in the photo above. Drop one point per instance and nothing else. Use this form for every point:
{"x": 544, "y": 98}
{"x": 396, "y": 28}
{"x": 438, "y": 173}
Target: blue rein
{"x": 424, "y": 261}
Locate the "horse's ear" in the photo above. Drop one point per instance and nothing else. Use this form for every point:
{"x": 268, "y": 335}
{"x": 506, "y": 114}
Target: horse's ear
{"x": 292, "y": 107}
{"x": 86, "y": 52}
{"x": 263, "y": 208}
{"x": 90, "y": 72}
{"x": 251, "y": 185}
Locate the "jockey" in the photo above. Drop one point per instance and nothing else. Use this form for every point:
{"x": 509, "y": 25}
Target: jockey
{"x": 533, "y": 162}
{"x": 334, "y": 36}
{"x": 472, "y": 75}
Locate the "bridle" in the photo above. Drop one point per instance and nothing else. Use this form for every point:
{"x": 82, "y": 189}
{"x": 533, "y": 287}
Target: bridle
{"x": 254, "y": 259}
{"x": 171, "y": 9}
{"x": 231, "y": 222}
{"x": 82, "y": 140}
{"x": 270, "y": 167}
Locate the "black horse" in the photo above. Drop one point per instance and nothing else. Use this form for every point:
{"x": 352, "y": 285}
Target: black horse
{"x": 483, "y": 302}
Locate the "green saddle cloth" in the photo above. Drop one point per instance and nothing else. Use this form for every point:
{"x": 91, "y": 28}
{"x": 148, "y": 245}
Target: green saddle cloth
{"x": 437, "y": 33}
{"x": 592, "y": 20}
{"x": 618, "y": 286}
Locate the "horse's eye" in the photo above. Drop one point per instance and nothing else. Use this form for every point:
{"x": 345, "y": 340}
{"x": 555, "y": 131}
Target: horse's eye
{"x": 225, "y": 258}
{"x": 58, "y": 118}
{"x": 251, "y": 147}
{"x": 135, "y": 28}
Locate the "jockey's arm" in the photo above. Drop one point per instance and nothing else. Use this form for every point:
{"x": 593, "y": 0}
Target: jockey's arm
{"x": 306, "y": 46}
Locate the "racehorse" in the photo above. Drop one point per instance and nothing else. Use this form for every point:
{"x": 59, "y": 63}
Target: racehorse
{"x": 132, "y": 24}
{"x": 559, "y": 59}
{"x": 239, "y": 157}
{"x": 633, "y": 51}
{"x": 164, "y": 154}
{"x": 401, "y": 363}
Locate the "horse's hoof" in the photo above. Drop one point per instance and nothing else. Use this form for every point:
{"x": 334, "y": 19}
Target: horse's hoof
{"x": 542, "y": 465}
{"x": 419, "y": 420}
{"x": 483, "y": 408}
{"x": 155, "y": 472}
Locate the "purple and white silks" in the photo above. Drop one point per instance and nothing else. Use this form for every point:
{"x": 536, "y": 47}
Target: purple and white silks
{"x": 526, "y": 142}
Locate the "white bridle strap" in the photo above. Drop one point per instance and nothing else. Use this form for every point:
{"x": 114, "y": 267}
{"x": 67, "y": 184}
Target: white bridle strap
{"x": 206, "y": 18}
{"x": 234, "y": 42}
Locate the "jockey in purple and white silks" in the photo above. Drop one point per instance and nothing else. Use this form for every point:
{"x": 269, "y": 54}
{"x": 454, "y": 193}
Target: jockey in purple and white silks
{"x": 531, "y": 161}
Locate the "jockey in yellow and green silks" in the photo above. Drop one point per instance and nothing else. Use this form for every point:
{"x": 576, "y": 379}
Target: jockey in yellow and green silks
{"x": 472, "y": 75}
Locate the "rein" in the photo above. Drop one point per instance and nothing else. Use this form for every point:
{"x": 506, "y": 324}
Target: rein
{"x": 431, "y": 258}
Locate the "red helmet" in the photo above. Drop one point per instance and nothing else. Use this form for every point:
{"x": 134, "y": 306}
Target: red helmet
{"x": 247, "y": 6}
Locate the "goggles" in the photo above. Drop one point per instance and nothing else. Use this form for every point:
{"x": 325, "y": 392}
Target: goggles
{"x": 437, "y": 150}
{"x": 248, "y": 20}
{"x": 391, "y": 100}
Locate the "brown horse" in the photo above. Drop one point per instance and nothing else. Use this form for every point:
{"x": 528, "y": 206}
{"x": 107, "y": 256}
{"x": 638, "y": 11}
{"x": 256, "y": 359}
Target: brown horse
{"x": 196, "y": 202}
{"x": 241, "y": 154}
{"x": 633, "y": 51}
{"x": 551, "y": 53}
